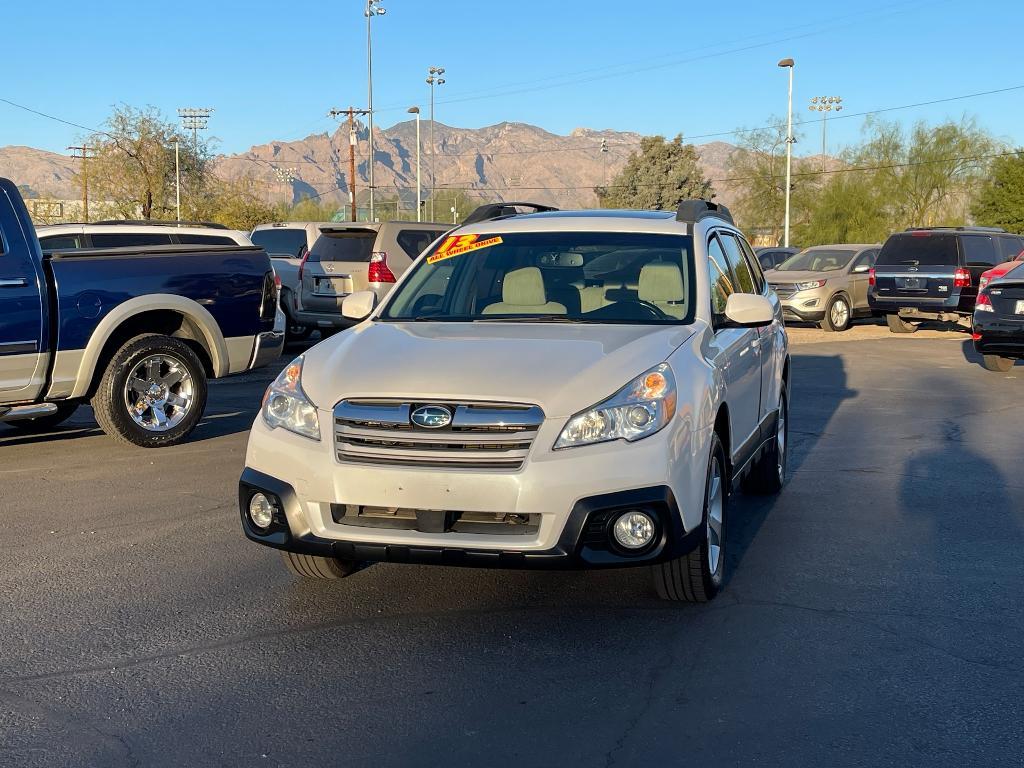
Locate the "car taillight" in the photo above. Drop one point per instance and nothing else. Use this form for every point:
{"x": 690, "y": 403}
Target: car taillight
{"x": 379, "y": 271}
{"x": 983, "y": 304}
{"x": 961, "y": 278}
{"x": 277, "y": 284}
{"x": 871, "y": 276}
{"x": 302, "y": 265}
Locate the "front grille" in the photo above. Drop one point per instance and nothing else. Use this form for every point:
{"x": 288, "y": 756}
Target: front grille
{"x": 436, "y": 521}
{"x": 494, "y": 436}
{"x": 784, "y": 290}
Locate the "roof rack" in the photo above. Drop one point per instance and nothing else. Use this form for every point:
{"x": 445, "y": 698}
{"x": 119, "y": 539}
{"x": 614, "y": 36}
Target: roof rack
{"x": 692, "y": 211}
{"x": 956, "y": 229}
{"x": 499, "y": 210}
{"x": 161, "y": 223}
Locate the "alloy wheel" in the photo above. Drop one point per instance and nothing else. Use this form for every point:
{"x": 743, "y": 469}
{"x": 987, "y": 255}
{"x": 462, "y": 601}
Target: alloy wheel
{"x": 159, "y": 393}
{"x": 716, "y": 505}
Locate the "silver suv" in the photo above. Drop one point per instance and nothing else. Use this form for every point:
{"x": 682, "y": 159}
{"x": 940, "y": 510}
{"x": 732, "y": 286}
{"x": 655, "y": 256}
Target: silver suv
{"x": 826, "y": 284}
{"x": 351, "y": 257}
{"x": 578, "y": 389}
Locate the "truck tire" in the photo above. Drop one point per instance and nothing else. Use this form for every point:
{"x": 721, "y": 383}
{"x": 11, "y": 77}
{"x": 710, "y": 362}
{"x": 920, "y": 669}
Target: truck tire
{"x": 314, "y": 567}
{"x": 697, "y": 577}
{"x": 152, "y": 393}
{"x": 991, "y": 363}
{"x": 898, "y": 325}
{"x": 49, "y": 421}
{"x": 769, "y": 473}
{"x": 838, "y": 314}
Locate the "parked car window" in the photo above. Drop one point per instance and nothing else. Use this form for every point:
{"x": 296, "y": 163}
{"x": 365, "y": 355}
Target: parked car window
{"x": 205, "y": 240}
{"x": 1009, "y": 248}
{"x": 60, "y": 243}
{"x": 740, "y": 268}
{"x": 415, "y": 241}
{"x": 128, "y": 239}
{"x": 286, "y": 240}
{"x": 352, "y": 245}
{"x": 867, "y": 257}
{"x": 720, "y": 277}
{"x": 817, "y": 260}
{"x": 980, "y": 250}
{"x": 766, "y": 261}
{"x": 922, "y": 247}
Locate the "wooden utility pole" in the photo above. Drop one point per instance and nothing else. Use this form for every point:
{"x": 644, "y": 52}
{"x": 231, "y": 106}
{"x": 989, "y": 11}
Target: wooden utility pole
{"x": 351, "y": 112}
{"x": 84, "y": 157}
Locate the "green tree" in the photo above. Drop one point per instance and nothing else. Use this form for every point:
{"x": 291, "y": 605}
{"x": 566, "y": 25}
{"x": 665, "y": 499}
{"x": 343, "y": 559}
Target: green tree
{"x": 313, "y": 209}
{"x": 1000, "y": 202}
{"x": 849, "y": 208}
{"x": 659, "y": 176}
{"x": 237, "y": 203}
{"x": 132, "y": 165}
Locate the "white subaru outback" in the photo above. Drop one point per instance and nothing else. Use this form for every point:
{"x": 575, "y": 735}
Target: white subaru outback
{"x": 560, "y": 389}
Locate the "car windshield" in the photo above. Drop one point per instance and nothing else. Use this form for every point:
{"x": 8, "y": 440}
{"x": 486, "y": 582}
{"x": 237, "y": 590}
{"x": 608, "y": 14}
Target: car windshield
{"x": 585, "y": 277}
{"x": 817, "y": 260}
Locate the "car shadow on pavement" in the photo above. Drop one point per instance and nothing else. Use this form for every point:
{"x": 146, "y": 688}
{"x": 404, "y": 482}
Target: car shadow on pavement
{"x": 971, "y": 355}
{"x": 810, "y": 414}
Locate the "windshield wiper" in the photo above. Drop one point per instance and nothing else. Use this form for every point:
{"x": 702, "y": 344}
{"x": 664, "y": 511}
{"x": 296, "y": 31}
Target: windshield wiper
{"x": 528, "y": 319}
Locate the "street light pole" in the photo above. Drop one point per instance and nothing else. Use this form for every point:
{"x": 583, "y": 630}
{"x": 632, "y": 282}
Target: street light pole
{"x": 416, "y": 111}
{"x": 788, "y": 64}
{"x": 434, "y": 78}
{"x": 373, "y": 8}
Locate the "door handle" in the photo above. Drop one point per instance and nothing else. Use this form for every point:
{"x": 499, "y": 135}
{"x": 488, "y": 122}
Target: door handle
{"x": 13, "y": 282}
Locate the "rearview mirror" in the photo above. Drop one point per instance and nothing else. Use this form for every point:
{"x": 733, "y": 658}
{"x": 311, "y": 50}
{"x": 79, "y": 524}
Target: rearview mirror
{"x": 358, "y": 305}
{"x": 861, "y": 269}
{"x": 749, "y": 311}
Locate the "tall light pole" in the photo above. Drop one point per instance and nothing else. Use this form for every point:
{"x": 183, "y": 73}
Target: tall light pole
{"x": 825, "y": 104}
{"x": 195, "y": 119}
{"x": 373, "y": 8}
{"x": 788, "y": 64}
{"x": 285, "y": 176}
{"x": 177, "y": 178}
{"x": 416, "y": 111}
{"x": 433, "y": 79}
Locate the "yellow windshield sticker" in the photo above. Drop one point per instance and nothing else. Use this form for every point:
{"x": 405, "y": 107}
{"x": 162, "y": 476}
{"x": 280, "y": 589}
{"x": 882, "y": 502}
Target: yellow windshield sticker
{"x": 456, "y": 245}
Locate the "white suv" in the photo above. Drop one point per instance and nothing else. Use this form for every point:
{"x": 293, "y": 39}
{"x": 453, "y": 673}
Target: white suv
{"x": 551, "y": 390}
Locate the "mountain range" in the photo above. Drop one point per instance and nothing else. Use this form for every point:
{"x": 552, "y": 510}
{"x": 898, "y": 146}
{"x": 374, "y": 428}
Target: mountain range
{"x": 507, "y": 161}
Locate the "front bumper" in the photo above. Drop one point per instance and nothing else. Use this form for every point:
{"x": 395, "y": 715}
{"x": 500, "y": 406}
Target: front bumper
{"x": 584, "y": 541}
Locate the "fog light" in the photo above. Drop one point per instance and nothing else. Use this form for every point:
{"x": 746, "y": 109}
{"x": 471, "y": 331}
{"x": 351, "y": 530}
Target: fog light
{"x": 261, "y": 511}
{"x": 633, "y": 530}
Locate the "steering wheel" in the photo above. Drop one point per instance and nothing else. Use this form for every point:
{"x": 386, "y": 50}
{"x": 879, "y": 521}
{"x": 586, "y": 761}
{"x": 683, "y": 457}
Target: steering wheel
{"x": 652, "y": 308}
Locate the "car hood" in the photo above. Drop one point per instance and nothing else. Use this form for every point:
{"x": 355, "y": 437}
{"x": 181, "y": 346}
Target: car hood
{"x": 776, "y": 277}
{"x": 563, "y": 368}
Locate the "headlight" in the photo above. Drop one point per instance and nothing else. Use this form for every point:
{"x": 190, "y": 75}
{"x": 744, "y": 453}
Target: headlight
{"x": 809, "y": 285}
{"x": 286, "y": 405}
{"x": 638, "y": 410}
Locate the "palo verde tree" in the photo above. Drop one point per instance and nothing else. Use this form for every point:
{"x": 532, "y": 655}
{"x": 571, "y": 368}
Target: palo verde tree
{"x": 658, "y": 176}
{"x": 1000, "y": 201}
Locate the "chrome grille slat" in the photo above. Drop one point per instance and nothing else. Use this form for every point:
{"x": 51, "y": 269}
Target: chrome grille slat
{"x": 481, "y": 436}
{"x": 784, "y": 290}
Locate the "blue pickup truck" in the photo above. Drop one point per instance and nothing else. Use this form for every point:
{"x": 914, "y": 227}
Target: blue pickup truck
{"x": 136, "y": 332}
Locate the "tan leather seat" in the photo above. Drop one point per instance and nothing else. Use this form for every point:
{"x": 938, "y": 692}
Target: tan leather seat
{"x": 662, "y": 285}
{"x": 522, "y": 293}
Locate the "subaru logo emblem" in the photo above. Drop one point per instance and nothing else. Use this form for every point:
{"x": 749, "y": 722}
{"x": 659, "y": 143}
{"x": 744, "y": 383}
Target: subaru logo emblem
{"x": 431, "y": 417}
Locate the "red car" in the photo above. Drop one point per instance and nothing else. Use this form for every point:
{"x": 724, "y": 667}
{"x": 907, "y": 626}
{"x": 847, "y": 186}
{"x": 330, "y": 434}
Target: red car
{"x": 999, "y": 270}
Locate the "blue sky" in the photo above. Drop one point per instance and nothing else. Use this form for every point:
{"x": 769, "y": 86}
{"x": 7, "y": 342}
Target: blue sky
{"x": 272, "y": 70}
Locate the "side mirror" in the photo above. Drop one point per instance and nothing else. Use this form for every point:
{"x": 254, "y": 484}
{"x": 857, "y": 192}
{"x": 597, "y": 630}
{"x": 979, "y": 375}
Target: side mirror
{"x": 358, "y": 305}
{"x": 862, "y": 269}
{"x": 746, "y": 310}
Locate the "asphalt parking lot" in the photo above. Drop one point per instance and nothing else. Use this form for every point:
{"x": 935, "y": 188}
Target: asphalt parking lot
{"x": 874, "y": 615}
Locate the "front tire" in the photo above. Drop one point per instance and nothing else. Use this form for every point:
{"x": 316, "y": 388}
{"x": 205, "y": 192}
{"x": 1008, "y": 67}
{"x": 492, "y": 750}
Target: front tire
{"x": 153, "y": 392}
{"x": 314, "y": 567}
{"x": 838, "y": 315}
{"x": 698, "y": 576}
{"x": 898, "y": 325}
{"x": 997, "y": 363}
{"x": 42, "y": 423}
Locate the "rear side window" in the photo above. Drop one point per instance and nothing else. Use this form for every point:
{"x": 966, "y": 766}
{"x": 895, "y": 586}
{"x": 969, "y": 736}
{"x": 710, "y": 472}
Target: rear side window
{"x": 344, "y": 246}
{"x": 128, "y": 240}
{"x": 415, "y": 241}
{"x": 1009, "y": 248}
{"x": 205, "y": 240}
{"x": 912, "y": 248}
{"x": 980, "y": 250}
{"x": 60, "y": 243}
{"x": 288, "y": 241}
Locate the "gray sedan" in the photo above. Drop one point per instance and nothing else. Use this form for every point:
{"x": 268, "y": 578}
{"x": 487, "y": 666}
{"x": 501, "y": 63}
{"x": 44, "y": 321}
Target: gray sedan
{"x": 825, "y": 284}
